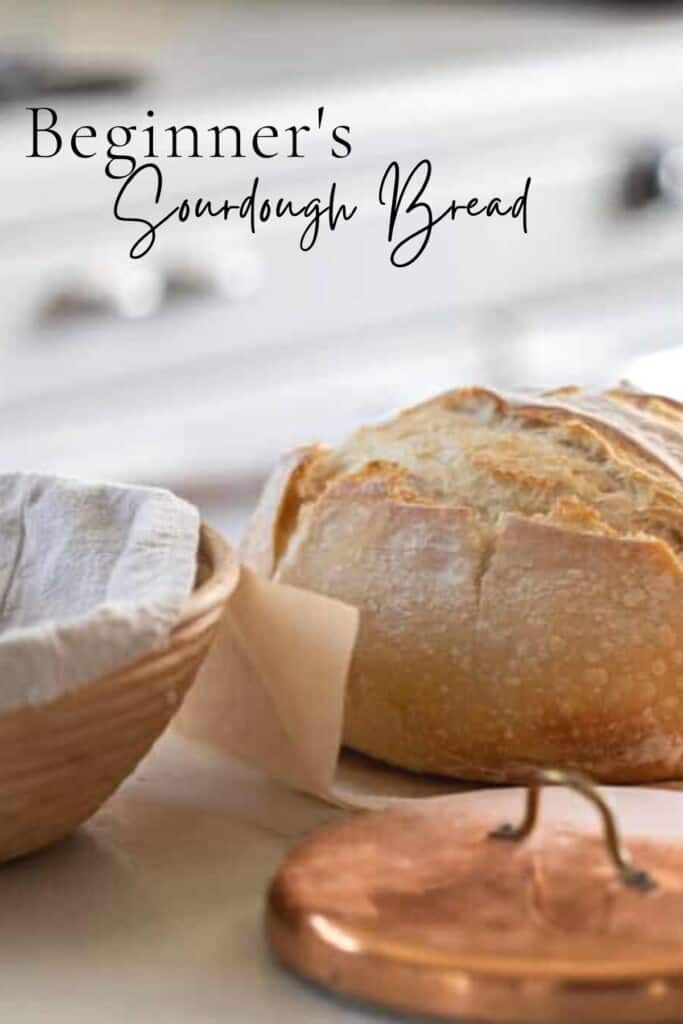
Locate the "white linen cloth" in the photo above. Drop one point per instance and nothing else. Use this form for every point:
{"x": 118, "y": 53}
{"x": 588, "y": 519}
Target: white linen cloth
{"x": 92, "y": 577}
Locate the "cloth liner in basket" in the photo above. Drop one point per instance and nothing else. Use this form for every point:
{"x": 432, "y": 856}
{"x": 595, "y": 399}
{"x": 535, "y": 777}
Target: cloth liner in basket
{"x": 92, "y": 576}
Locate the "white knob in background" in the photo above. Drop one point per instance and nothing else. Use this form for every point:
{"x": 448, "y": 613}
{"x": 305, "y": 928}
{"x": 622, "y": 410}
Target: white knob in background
{"x": 670, "y": 175}
{"x": 131, "y": 290}
{"x": 232, "y": 275}
{"x": 112, "y": 289}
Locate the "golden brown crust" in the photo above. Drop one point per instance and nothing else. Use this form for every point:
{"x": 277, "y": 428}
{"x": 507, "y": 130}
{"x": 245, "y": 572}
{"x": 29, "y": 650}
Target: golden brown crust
{"x": 274, "y": 517}
{"x": 516, "y": 561}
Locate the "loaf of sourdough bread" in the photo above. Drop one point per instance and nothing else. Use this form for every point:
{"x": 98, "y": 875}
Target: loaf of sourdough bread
{"x": 517, "y": 564}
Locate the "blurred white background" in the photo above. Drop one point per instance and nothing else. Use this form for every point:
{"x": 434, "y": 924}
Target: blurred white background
{"x": 195, "y": 367}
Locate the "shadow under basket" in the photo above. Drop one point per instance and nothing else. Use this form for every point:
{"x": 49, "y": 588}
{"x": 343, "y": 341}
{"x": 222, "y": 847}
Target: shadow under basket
{"x": 61, "y": 760}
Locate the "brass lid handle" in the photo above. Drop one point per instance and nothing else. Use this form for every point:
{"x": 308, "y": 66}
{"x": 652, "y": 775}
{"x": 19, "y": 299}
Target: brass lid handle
{"x": 635, "y": 877}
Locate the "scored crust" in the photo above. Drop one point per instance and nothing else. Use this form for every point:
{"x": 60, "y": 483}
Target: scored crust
{"x": 517, "y": 566}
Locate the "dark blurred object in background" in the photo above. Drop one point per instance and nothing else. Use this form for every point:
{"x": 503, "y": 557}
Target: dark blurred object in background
{"x": 31, "y": 77}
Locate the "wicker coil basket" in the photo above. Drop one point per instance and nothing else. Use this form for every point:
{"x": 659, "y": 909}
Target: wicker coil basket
{"x": 61, "y": 760}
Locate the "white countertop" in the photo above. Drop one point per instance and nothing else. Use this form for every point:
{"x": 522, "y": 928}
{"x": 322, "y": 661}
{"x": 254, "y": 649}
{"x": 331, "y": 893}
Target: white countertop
{"x": 152, "y": 912}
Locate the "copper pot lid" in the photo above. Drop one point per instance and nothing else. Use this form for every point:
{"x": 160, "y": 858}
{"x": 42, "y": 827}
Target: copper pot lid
{"x": 444, "y": 908}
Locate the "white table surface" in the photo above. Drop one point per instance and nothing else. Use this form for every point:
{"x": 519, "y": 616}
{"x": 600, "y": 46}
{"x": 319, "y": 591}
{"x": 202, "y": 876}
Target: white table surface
{"x": 152, "y": 911}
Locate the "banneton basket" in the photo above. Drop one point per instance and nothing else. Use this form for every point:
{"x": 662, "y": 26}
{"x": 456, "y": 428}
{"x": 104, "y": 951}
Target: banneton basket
{"x": 61, "y": 760}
